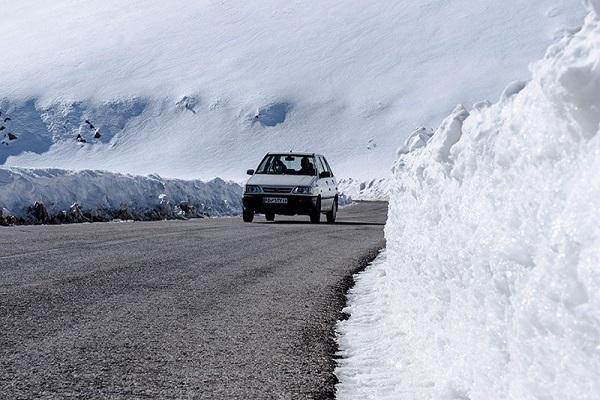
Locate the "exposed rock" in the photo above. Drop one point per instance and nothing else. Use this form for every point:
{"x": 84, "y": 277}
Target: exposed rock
{"x": 165, "y": 208}
{"x": 75, "y": 211}
{"x": 123, "y": 214}
{"x": 73, "y": 215}
{"x": 188, "y": 209}
{"x": 6, "y": 218}
{"x": 39, "y": 213}
{"x": 187, "y": 103}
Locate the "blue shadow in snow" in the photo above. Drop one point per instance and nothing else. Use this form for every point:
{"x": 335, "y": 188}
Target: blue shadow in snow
{"x": 273, "y": 114}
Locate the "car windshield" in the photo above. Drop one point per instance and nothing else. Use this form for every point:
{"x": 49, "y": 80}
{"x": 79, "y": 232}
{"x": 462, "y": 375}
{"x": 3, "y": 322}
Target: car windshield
{"x": 287, "y": 164}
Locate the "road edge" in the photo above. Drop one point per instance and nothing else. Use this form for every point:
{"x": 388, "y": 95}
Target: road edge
{"x": 341, "y": 289}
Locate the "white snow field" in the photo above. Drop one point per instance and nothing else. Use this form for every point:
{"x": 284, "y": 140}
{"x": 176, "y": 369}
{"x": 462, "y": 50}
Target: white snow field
{"x": 490, "y": 285}
{"x": 101, "y": 193}
{"x": 203, "y": 89}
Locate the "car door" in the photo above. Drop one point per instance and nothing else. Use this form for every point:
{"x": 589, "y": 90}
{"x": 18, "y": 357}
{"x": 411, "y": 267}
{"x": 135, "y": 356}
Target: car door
{"x": 332, "y": 181}
{"x": 327, "y": 184}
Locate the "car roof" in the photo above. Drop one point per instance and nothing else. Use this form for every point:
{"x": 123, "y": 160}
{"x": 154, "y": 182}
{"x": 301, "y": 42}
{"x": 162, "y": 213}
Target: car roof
{"x": 293, "y": 153}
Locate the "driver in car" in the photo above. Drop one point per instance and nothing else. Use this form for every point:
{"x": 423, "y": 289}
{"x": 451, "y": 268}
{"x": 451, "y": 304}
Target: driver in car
{"x": 306, "y": 167}
{"x": 279, "y": 167}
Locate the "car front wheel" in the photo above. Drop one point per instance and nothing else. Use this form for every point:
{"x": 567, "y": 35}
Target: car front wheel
{"x": 270, "y": 216}
{"x": 315, "y": 216}
{"x": 248, "y": 215}
{"x": 331, "y": 215}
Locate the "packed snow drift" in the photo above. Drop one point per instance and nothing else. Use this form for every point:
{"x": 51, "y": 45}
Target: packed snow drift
{"x": 370, "y": 190}
{"x": 58, "y": 196}
{"x": 490, "y": 284}
{"x": 203, "y": 89}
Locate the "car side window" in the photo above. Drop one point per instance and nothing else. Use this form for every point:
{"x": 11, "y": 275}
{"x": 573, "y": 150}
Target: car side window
{"x": 320, "y": 166}
{"x": 327, "y": 166}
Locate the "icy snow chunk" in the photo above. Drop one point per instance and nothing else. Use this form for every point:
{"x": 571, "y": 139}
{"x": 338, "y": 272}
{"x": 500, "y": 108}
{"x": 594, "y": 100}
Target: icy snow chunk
{"x": 415, "y": 140}
{"x": 513, "y": 89}
{"x": 480, "y": 105}
{"x": 448, "y": 134}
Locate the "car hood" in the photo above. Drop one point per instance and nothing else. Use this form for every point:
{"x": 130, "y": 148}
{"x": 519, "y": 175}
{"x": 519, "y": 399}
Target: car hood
{"x": 281, "y": 180}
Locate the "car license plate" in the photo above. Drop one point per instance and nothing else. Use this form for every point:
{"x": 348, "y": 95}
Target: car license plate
{"x": 275, "y": 200}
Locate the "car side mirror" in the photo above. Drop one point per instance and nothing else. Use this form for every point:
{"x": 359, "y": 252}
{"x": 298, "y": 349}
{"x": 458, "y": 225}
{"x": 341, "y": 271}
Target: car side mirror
{"x": 325, "y": 174}
{"x": 250, "y": 172}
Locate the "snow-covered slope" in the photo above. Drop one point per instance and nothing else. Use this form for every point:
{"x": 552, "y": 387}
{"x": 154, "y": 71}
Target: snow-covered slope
{"x": 490, "y": 285}
{"x": 203, "y": 89}
{"x": 102, "y": 195}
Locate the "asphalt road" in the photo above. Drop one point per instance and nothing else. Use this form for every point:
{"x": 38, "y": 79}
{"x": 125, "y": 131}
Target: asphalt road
{"x": 201, "y": 309}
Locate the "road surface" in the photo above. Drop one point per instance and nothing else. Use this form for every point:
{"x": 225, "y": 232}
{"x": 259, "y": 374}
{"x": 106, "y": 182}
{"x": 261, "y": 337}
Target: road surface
{"x": 200, "y": 309}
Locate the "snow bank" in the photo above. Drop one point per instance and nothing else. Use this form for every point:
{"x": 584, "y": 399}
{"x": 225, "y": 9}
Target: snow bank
{"x": 490, "y": 286}
{"x": 180, "y": 88}
{"x": 103, "y": 195}
{"x": 370, "y": 190}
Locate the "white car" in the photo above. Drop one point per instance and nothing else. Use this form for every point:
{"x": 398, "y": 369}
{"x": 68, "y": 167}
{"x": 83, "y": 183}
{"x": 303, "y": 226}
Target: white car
{"x": 291, "y": 184}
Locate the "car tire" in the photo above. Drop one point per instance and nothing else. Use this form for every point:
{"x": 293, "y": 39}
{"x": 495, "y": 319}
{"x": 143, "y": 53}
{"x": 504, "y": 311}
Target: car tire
{"x": 248, "y": 215}
{"x": 315, "y": 216}
{"x": 270, "y": 216}
{"x": 331, "y": 215}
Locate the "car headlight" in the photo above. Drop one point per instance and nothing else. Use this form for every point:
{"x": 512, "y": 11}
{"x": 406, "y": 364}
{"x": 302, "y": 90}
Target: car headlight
{"x": 253, "y": 189}
{"x": 303, "y": 190}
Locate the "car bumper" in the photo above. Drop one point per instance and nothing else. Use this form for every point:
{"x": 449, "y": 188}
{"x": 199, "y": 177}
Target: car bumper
{"x": 295, "y": 204}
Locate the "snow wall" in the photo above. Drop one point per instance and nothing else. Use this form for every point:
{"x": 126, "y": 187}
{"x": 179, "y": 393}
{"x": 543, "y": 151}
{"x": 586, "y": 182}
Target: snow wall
{"x": 101, "y": 193}
{"x": 490, "y": 285}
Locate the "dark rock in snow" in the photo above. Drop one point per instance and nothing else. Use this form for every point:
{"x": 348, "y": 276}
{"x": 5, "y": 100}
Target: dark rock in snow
{"x": 100, "y": 215}
{"x": 6, "y": 218}
{"x": 188, "y": 209}
{"x": 75, "y": 212}
{"x": 39, "y": 213}
{"x": 12, "y": 136}
{"x": 74, "y": 215}
{"x": 187, "y": 103}
{"x": 123, "y": 214}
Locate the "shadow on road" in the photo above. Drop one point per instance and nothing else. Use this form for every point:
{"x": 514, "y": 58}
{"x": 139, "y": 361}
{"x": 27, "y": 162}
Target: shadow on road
{"x": 323, "y": 223}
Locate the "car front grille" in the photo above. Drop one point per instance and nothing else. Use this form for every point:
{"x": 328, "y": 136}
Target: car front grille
{"x": 278, "y": 190}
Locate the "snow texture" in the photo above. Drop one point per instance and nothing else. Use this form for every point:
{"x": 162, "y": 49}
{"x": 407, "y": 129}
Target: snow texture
{"x": 371, "y": 190}
{"x": 490, "y": 287}
{"x": 203, "y": 89}
{"x": 104, "y": 192}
